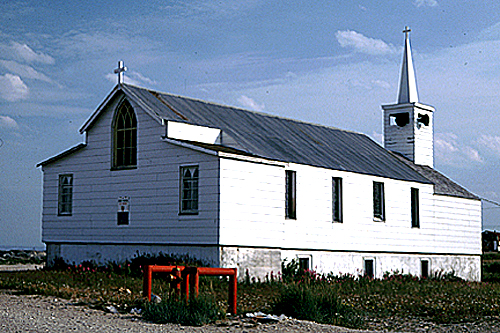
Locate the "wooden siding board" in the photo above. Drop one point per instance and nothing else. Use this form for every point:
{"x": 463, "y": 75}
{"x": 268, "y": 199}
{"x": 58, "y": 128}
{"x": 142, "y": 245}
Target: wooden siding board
{"x": 153, "y": 189}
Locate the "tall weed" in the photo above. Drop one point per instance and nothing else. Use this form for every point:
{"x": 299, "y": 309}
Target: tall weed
{"x": 315, "y": 302}
{"x": 197, "y": 312}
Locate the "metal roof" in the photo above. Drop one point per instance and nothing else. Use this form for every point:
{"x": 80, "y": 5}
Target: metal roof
{"x": 442, "y": 184}
{"x": 281, "y": 139}
{"x": 278, "y": 138}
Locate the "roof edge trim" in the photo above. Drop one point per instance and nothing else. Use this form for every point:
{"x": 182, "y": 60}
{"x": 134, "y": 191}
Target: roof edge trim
{"x": 61, "y": 155}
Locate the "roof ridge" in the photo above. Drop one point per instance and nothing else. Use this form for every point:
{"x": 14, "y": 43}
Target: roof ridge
{"x": 245, "y": 110}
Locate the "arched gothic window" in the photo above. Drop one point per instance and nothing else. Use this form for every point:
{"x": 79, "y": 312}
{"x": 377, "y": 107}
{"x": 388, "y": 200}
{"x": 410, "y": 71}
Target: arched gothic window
{"x": 125, "y": 137}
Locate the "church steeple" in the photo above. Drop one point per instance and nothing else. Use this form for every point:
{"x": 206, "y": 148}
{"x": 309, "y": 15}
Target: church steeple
{"x": 408, "y": 83}
{"x": 408, "y": 124}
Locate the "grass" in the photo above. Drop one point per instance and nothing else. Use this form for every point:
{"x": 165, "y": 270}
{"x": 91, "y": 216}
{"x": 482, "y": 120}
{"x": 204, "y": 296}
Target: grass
{"x": 199, "y": 311}
{"x": 441, "y": 300}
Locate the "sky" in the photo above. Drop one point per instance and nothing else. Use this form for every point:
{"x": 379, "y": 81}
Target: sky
{"x": 327, "y": 62}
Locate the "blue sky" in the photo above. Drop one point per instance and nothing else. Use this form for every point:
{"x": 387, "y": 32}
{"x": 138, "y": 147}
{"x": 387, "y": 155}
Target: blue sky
{"x": 327, "y": 62}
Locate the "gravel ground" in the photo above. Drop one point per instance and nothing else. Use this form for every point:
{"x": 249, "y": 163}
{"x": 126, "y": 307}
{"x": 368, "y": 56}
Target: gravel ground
{"x": 33, "y": 314}
{"x": 21, "y": 313}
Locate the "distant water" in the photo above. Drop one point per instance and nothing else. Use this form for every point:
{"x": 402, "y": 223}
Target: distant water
{"x": 24, "y": 248}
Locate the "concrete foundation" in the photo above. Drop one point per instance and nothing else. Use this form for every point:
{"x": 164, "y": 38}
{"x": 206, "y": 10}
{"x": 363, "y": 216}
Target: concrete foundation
{"x": 261, "y": 262}
{"x": 467, "y": 267}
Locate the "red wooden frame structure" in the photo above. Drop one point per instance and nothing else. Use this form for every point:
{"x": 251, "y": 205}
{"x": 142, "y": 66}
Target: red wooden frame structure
{"x": 185, "y": 278}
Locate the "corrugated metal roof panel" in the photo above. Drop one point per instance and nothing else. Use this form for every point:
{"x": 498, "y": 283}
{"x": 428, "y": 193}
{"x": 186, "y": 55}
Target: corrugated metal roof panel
{"x": 282, "y": 139}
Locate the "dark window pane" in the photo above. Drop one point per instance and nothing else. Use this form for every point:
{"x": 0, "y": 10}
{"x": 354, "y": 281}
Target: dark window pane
{"x": 378, "y": 200}
{"x": 125, "y": 136}
{"x": 369, "y": 268}
{"x": 290, "y": 194}
{"x": 415, "y": 214}
{"x": 337, "y": 199}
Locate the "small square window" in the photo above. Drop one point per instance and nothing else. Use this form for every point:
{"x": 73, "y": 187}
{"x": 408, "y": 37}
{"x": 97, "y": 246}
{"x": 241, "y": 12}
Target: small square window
{"x": 122, "y": 218}
{"x": 304, "y": 264}
{"x": 65, "y": 195}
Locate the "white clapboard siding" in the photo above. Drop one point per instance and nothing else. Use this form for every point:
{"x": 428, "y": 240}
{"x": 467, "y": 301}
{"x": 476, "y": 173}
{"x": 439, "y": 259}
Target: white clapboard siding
{"x": 445, "y": 222}
{"x": 153, "y": 188}
{"x": 251, "y": 203}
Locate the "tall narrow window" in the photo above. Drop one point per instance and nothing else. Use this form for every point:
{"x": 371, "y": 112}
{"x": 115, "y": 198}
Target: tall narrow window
{"x": 189, "y": 190}
{"x": 337, "y": 199}
{"x": 290, "y": 195}
{"x": 415, "y": 218}
{"x": 65, "y": 196}
{"x": 125, "y": 137}
{"x": 378, "y": 201}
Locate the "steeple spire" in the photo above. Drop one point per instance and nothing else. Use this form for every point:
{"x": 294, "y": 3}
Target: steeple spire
{"x": 408, "y": 83}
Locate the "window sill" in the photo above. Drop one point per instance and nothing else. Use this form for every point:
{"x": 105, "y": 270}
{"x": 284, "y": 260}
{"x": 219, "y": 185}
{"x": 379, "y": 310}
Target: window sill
{"x": 188, "y": 213}
{"x": 64, "y": 214}
{"x": 133, "y": 167}
{"x": 378, "y": 219}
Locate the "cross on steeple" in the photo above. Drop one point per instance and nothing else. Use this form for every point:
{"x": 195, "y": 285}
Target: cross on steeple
{"x": 120, "y": 70}
{"x": 406, "y": 32}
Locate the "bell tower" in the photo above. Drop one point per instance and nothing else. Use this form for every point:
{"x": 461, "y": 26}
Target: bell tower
{"x": 408, "y": 124}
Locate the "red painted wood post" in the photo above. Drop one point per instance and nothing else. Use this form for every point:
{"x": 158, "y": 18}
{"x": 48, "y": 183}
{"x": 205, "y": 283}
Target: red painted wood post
{"x": 233, "y": 291}
{"x": 186, "y": 273}
{"x": 146, "y": 284}
{"x": 196, "y": 281}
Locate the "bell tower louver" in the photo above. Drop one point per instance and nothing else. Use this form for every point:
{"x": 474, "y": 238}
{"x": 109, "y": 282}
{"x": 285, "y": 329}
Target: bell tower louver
{"x": 408, "y": 125}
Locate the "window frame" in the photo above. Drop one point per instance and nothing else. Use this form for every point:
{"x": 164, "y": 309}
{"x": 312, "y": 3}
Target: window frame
{"x": 337, "y": 200}
{"x": 124, "y": 155}
{"x": 65, "y": 200}
{"x": 379, "y": 201}
{"x": 290, "y": 195}
{"x": 189, "y": 194}
{"x": 415, "y": 207}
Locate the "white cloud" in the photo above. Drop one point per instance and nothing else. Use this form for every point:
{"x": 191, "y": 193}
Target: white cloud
{"x": 363, "y": 44}
{"x": 138, "y": 76}
{"x": 449, "y": 150}
{"x": 24, "y": 71}
{"x": 425, "y": 3}
{"x": 25, "y": 53}
{"x": 8, "y": 122}
{"x": 133, "y": 78}
{"x": 12, "y": 88}
{"x": 248, "y": 102}
{"x": 473, "y": 154}
{"x": 491, "y": 142}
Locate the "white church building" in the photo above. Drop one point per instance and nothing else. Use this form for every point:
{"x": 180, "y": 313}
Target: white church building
{"x": 164, "y": 173}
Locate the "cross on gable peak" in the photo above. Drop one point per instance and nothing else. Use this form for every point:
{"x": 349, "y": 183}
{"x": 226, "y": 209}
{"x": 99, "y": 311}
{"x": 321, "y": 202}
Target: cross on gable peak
{"x": 120, "y": 70}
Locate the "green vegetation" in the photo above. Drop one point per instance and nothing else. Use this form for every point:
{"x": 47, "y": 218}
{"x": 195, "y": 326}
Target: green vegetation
{"x": 315, "y": 302}
{"x": 343, "y": 300}
{"x": 199, "y": 311}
